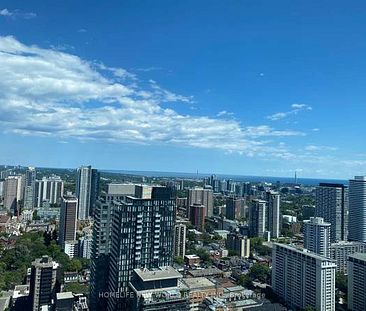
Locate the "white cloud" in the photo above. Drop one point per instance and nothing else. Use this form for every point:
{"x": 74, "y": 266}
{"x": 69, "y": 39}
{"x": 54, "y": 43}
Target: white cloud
{"x": 295, "y": 109}
{"x": 52, "y": 93}
{"x": 17, "y": 14}
{"x": 320, "y": 148}
{"x": 224, "y": 113}
{"x": 5, "y": 12}
{"x": 148, "y": 69}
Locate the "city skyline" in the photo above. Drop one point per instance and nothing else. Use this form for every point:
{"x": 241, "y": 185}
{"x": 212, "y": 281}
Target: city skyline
{"x": 243, "y": 88}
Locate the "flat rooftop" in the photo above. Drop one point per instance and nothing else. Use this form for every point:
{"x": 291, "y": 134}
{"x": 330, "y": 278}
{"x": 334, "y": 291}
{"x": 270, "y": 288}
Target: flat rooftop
{"x": 347, "y": 243}
{"x": 204, "y": 272}
{"x": 198, "y": 283}
{"x": 358, "y": 256}
{"x": 304, "y": 251}
{"x": 66, "y": 295}
{"x": 157, "y": 274}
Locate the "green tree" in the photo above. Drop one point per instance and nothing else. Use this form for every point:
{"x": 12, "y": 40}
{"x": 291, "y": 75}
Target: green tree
{"x": 74, "y": 265}
{"x": 255, "y": 242}
{"x": 179, "y": 260}
{"x": 259, "y": 272}
{"x": 47, "y": 238}
{"x": 341, "y": 282}
{"x": 204, "y": 255}
{"x": 191, "y": 236}
{"x": 233, "y": 253}
{"x": 206, "y": 238}
{"x": 54, "y": 235}
{"x": 246, "y": 281}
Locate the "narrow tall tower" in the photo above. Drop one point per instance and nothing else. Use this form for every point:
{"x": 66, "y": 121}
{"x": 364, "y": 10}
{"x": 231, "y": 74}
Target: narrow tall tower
{"x": 29, "y": 187}
{"x": 332, "y": 205}
{"x": 357, "y": 209}
{"x": 87, "y": 190}
{"x": 68, "y": 219}
{"x": 317, "y": 236}
{"x": 257, "y": 218}
{"x": 273, "y": 201}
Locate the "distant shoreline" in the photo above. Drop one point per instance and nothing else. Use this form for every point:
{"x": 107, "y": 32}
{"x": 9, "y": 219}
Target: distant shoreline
{"x": 241, "y": 178}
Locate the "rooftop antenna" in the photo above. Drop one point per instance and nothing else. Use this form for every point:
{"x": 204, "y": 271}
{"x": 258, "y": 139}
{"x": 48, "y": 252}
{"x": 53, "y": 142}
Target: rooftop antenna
{"x": 296, "y": 177}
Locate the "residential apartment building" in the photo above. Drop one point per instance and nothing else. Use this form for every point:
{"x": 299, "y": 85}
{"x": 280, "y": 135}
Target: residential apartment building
{"x": 302, "y": 278}
{"x": 317, "y": 236}
{"x": 356, "y": 282}
{"x": 332, "y": 206}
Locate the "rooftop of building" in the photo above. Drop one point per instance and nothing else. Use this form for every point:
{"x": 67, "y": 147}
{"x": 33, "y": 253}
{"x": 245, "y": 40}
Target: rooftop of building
{"x": 68, "y": 197}
{"x": 221, "y": 231}
{"x": 332, "y": 185}
{"x": 259, "y": 201}
{"x": 197, "y": 205}
{"x": 5, "y": 298}
{"x": 65, "y": 295}
{"x": 358, "y": 256}
{"x": 215, "y": 302}
{"x": 360, "y": 178}
{"x": 205, "y": 272}
{"x": 246, "y": 303}
{"x": 198, "y": 283}
{"x": 317, "y": 221}
{"x": 4, "y": 218}
{"x": 45, "y": 261}
{"x": 191, "y": 257}
{"x": 304, "y": 251}
{"x": 346, "y": 243}
{"x": 20, "y": 291}
{"x": 196, "y": 232}
{"x": 157, "y": 274}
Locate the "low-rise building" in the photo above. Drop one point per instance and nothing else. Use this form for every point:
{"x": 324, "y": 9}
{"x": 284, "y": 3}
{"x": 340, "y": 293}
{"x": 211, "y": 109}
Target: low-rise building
{"x": 158, "y": 290}
{"x": 201, "y": 288}
{"x": 191, "y": 260}
{"x": 209, "y": 272}
{"x": 71, "y": 248}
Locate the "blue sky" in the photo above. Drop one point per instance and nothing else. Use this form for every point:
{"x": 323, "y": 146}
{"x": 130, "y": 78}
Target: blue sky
{"x": 236, "y": 87}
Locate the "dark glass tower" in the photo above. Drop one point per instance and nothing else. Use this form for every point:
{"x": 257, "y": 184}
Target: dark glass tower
{"x": 139, "y": 234}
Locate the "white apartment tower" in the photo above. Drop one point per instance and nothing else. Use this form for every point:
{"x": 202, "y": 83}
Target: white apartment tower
{"x": 303, "y": 279}
{"x": 87, "y": 188}
{"x": 49, "y": 191}
{"x": 317, "y": 236}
